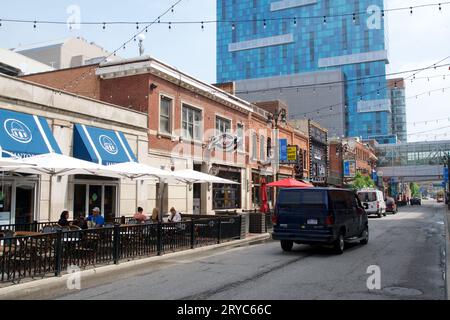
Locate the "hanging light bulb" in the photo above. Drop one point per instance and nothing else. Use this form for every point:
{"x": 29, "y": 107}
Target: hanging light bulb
{"x": 137, "y": 25}
{"x": 324, "y": 19}
{"x": 203, "y": 27}
{"x": 171, "y": 9}
{"x": 354, "y": 18}
{"x": 382, "y": 13}
{"x": 104, "y": 26}
{"x": 264, "y": 24}
{"x": 34, "y": 25}
{"x": 233, "y": 27}
{"x": 411, "y": 10}
{"x": 295, "y": 21}
{"x": 159, "y": 19}
{"x": 331, "y": 108}
{"x": 440, "y": 8}
{"x": 170, "y": 25}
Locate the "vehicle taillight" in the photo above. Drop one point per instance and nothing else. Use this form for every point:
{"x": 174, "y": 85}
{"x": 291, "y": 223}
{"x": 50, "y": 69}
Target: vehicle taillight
{"x": 274, "y": 218}
{"x": 329, "y": 220}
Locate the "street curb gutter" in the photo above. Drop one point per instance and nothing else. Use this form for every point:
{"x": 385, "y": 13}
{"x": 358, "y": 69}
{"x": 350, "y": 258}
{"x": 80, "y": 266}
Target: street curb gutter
{"x": 447, "y": 256}
{"x": 35, "y": 288}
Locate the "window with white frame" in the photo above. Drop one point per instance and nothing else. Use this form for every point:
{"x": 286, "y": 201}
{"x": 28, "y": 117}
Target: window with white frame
{"x": 165, "y": 111}
{"x": 254, "y": 146}
{"x": 222, "y": 125}
{"x": 262, "y": 151}
{"x": 192, "y": 123}
{"x": 240, "y": 136}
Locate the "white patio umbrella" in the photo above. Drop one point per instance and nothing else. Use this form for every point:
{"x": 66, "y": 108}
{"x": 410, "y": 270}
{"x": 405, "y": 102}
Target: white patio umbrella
{"x": 192, "y": 176}
{"x": 56, "y": 164}
{"x": 5, "y": 163}
{"x": 136, "y": 170}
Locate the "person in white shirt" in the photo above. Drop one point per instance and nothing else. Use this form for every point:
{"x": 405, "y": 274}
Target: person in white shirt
{"x": 175, "y": 216}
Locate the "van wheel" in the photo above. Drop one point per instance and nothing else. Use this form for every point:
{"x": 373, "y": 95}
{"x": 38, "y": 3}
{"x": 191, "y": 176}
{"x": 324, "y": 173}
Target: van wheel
{"x": 365, "y": 236}
{"x": 287, "y": 245}
{"x": 339, "y": 244}
{"x": 384, "y": 214}
{"x": 379, "y": 215}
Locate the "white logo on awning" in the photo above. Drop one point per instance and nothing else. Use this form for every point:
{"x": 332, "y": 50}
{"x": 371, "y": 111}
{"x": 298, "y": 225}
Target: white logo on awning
{"x": 18, "y": 130}
{"x": 108, "y": 144}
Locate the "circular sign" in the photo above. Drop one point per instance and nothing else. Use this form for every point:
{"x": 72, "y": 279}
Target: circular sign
{"x": 18, "y": 130}
{"x": 108, "y": 144}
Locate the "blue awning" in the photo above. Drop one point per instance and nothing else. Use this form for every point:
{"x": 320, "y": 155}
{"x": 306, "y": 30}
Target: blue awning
{"x": 25, "y": 135}
{"x": 101, "y": 145}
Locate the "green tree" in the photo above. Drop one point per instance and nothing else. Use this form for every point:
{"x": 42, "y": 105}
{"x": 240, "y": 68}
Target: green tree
{"x": 415, "y": 189}
{"x": 361, "y": 182}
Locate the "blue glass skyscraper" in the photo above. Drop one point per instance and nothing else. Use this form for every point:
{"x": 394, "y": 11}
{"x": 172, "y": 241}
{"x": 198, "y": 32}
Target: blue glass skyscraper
{"x": 267, "y": 38}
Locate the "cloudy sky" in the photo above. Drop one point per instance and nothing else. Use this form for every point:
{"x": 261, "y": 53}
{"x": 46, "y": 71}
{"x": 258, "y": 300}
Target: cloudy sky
{"x": 414, "y": 41}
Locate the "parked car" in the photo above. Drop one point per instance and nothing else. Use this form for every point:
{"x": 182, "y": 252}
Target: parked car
{"x": 324, "y": 216}
{"x": 391, "y": 206}
{"x": 415, "y": 201}
{"x": 373, "y": 201}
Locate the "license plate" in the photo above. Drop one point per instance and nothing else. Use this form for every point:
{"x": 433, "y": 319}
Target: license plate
{"x": 311, "y": 221}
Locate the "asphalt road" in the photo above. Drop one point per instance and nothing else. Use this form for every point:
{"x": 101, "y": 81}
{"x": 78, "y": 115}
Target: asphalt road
{"x": 408, "y": 247}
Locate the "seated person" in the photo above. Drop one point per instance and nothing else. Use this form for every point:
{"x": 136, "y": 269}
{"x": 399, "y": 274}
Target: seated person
{"x": 64, "y": 219}
{"x": 140, "y": 216}
{"x": 175, "y": 216}
{"x": 82, "y": 222}
{"x": 155, "y": 215}
{"x": 96, "y": 218}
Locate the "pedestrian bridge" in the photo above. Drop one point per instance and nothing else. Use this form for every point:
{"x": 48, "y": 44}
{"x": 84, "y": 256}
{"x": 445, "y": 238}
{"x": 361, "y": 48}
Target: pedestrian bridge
{"x": 415, "y": 161}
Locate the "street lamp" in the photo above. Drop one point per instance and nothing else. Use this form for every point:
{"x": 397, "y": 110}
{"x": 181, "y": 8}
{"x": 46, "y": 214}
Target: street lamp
{"x": 274, "y": 118}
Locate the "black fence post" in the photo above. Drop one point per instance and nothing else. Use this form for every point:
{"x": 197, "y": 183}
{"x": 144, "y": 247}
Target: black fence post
{"x": 116, "y": 244}
{"x": 192, "y": 233}
{"x": 35, "y": 226}
{"x": 159, "y": 238}
{"x": 58, "y": 253}
{"x": 219, "y": 230}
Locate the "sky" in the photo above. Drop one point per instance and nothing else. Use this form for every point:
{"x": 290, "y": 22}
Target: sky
{"x": 413, "y": 41}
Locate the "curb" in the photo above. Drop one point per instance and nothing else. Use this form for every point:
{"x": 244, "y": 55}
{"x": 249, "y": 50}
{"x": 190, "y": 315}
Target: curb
{"x": 36, "y": 287}
{"x": 447, "y": 256}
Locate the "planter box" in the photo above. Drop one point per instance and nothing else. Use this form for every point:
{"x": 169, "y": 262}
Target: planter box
{"x": 257, "y": 222}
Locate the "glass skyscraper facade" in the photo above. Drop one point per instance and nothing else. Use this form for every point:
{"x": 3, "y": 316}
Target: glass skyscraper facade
{"x": 267, "y": 38}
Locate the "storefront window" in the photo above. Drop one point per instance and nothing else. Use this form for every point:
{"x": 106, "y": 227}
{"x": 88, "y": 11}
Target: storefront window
{"x": 5, "y": 203}
{"x": 222, "y": 125}
{"x": 227, "y": 196}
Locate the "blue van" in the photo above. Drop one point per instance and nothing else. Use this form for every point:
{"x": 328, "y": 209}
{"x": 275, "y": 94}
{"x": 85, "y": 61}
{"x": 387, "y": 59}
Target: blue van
{"x": 326, "y": 216}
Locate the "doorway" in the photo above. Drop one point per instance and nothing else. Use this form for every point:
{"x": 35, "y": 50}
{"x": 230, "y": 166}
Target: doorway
{"x": 103, "y": 195}
{"x": 17, "y": 200}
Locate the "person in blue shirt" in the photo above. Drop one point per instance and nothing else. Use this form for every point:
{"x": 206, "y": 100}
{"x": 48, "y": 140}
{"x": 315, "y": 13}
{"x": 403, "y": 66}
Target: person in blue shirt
{"x": 96, "y": 217}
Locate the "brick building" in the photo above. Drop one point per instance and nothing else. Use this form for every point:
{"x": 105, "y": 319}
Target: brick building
{"x": 347, "y": 157}
{"x": 191, "y": 125}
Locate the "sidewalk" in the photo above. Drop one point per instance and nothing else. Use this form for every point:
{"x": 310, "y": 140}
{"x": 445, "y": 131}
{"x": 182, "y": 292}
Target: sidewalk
{"x": 447, "y": 255}
{"x": 57, "y": 286}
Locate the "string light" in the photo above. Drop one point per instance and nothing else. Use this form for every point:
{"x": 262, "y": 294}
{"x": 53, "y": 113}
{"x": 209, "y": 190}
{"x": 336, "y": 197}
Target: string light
{"x": 233, "y": 27}
{"x": 324, "y": 19}
{"x": 104, "y": 26}
{"x": 34, "y": 25}
{"x": 170, "y": 26}
{"x": 137, "y": 25}
{"x": 411, "y": 10}
{"x": 295, "y": 21}
{"x": 203, "y": 27}
{"x": 265, "y": 24}
{"x": 354, "y": 17}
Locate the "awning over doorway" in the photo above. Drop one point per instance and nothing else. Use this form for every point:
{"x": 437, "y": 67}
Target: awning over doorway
{"x": 24, "y": 135}
{"x": 101, "y": 146}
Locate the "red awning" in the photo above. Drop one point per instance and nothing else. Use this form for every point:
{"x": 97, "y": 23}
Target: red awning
{"x": 290, "y": 183}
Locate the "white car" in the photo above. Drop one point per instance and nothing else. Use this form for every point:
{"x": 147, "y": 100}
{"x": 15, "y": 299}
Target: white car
{"x": 373, "y": 201}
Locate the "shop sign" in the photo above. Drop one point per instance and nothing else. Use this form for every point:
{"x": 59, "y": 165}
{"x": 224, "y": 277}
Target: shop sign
{"x": 283, "y": 150}
{"x": 349, "y": 168}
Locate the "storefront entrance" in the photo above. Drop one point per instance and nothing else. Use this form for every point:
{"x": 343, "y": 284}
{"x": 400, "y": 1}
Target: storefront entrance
{"x": 89, "y": 194}
{"x": 17, "y": 201}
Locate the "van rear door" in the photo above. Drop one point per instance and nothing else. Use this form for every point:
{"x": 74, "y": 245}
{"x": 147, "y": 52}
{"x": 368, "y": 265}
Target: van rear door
{"x": 302, "y": 209}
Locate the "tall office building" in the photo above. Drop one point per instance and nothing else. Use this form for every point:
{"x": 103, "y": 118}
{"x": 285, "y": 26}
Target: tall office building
{"x": 398, "y": 105}
{"x": 325, "y": 59}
